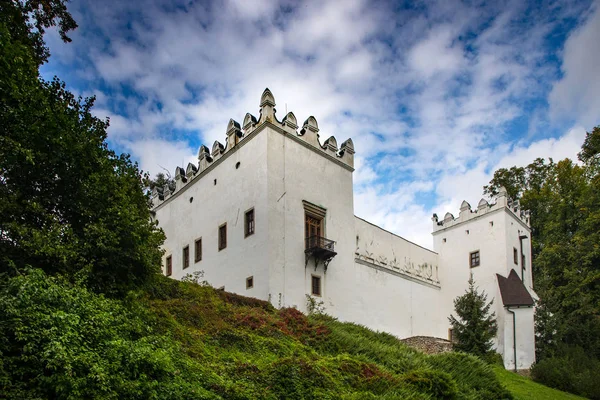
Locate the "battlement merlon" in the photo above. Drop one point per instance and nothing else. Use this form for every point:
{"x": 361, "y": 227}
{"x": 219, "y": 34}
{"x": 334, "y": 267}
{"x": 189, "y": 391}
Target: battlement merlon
{"x": 236, "y": 134}
{"x": 467, "y": 214}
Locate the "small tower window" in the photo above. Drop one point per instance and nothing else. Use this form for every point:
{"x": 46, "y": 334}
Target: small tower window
{"x": 222, "y": 236}
{"x": 250, "y": 282}
{"x": 316, "y": 285}
{"x": 474, "y": 259}
{"x": 198, "y": 250}
{"x": 186, "y": 257}
{"x": 169, "y": 266}
{"x": 249, "y": 223}
{"x": 515, "y": 256}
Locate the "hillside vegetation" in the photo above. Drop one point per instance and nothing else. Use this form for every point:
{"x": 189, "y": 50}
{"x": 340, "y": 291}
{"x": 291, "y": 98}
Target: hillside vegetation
{"x": 181, "y": 340}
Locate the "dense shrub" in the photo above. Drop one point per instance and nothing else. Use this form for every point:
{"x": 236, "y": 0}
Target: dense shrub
{"x": 181, "y": 340}
{"x": 572, "y": 370}
{"x": 61, "y": 341}
{"x": 436, "y": 383}
{"x": 474, "y": 377}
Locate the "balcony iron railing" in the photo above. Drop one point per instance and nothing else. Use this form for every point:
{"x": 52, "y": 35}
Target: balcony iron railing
{"x": 322, "y": 249}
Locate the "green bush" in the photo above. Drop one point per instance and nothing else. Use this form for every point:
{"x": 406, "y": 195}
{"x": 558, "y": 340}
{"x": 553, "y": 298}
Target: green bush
{"x": 181, "y": 340}
{"x": 474, "y": 377}
{"x": 572, "y": 370}
{"x": 62, "y": 341}
{"x": 438, "y": 384}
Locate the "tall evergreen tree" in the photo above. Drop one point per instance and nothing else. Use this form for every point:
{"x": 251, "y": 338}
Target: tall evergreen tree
{"x": 475, "y": 327}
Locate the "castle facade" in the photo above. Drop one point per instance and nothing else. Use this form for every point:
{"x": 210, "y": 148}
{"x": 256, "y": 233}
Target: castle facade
{"x": 270, "y": 214}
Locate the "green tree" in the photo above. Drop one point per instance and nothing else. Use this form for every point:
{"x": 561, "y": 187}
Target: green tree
{"x": 68, "y": 204}
{"x": 29, "y": 19}
{"x": 475, "y": 327}
{"x": 160, "y": 181}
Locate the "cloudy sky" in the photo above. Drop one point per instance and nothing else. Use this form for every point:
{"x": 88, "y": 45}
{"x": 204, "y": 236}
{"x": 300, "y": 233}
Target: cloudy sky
{"x": 436, "y": 95}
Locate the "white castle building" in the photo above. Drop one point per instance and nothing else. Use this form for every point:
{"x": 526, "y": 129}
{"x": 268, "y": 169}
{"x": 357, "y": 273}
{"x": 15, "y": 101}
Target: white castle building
{"x": 270, "y": 215}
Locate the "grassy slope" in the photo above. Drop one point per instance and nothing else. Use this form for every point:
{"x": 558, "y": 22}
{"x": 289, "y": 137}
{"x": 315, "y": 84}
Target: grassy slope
{"x": 525, "y": 389}
{"x": 180, "y": 340}
{"x": 247, "y": 349}
{"x": 254, "y": 350}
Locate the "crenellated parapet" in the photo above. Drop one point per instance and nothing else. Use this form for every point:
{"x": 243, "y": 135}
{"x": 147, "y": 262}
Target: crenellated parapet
{"x": 483, "y": 207}
{"x": 235, "y": 134}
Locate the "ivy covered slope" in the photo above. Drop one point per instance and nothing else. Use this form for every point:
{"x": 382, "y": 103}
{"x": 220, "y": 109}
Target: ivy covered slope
{"x": 181, "y": 340}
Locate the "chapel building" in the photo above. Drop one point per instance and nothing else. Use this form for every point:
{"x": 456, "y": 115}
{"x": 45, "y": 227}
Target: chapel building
{"x": 270, "y": 215}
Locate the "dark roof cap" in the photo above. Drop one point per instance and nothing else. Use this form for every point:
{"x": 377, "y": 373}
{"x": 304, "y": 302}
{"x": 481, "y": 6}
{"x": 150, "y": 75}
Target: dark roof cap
{"x": 514, "y": 293}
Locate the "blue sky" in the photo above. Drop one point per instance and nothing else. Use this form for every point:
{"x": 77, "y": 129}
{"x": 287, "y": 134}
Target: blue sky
{"x": 436, "y": 95}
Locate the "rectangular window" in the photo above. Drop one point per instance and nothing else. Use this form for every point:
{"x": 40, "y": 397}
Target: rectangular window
{"x": 474, "y": 259}
{"x": 186, "y": 257}
{"x": 316, "y": 285}
{"x": 523, "y": 261}
{"x": 451, "y": 335}
{"x": 250, "y": 282}
{"x": 198, "y": 250}
{"x": 169, "y": 266}
{"x": 222, "y": 237}
{"x": 515, "y": 256}
{"x": 249, "y": 223}
{"x": 314, "y": 224}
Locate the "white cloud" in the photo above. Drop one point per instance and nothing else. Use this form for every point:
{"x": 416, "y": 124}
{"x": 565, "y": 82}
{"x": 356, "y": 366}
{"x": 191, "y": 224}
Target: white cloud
{"x": 156, "y": 155}
{"x": 436, "y": 54}
{"x": 427, "y": 97}
{"x": 577, "y": 94}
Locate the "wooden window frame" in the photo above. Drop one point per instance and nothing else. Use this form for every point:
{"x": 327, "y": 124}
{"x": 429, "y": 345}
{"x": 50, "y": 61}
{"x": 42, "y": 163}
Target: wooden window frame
{"x": 169, "y": 265}
{"x": 516, "y": 256}
{"x": 185, "y": 257}
{"x": 197, "y": 254}
{"x": 314, "y": 211}
{"x": 471, "y": 264}
{"x": 312, "y": 285}
{"x": 249, "y": 230}
{"x": 222, "y": 241}
{"x": 321, "y": 224}
{"x": 250, "y": 282}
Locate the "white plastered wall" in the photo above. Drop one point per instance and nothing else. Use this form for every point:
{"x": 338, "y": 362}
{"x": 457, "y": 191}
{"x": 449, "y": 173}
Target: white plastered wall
{"x": 298, "y": 172}
{"x": 236, "y": 191}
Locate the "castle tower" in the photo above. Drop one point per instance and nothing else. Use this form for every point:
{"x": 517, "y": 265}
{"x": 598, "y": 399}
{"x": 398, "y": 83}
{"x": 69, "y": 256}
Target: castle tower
{"x": 493, "y": 244}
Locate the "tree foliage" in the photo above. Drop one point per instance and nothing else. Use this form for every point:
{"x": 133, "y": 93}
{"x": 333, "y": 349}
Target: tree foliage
{"x": 29, "y": 19}
{"x": 160, "y": 181}
{"x": 475, "y": 327}
{"x": 68, "y": 204}
{"x": 564, "y": 200}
